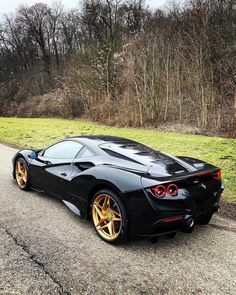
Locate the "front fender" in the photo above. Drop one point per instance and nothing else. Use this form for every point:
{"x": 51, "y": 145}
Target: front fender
{"x": 21, "y": 154}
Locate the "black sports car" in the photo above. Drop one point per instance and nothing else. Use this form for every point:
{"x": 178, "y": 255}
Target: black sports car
{"x": 125, "y": 187}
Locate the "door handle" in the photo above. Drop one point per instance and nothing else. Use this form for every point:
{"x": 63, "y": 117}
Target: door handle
{"x": 63, "y": 174}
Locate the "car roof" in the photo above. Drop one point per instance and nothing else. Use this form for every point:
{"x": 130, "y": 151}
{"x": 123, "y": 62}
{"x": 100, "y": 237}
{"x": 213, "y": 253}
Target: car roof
{"x": 96, "y": 140}
{"x": 125, "y": 149}
{"x": 119, "y": 146}
{"x": 102, "y": 138}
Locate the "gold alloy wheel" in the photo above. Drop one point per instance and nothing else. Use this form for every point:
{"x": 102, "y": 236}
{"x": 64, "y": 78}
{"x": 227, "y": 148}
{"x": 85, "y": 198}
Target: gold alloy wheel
{"x": 106, "y": 216}
{"x": 21, "y": 174}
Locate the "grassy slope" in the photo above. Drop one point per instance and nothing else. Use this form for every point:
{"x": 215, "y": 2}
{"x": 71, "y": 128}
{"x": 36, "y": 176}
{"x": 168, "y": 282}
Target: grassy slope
{"x": 41, "y": 132}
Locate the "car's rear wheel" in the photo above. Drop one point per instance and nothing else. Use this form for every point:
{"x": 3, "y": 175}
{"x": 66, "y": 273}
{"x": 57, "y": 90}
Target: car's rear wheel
{"x": 109, "y": 217}
{"x": 22, "y": 174}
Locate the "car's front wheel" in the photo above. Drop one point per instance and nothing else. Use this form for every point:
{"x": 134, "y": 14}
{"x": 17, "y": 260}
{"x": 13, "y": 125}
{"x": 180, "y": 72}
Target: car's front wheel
{"x": 109, "y": 217}
{"x": 22, "y": 174}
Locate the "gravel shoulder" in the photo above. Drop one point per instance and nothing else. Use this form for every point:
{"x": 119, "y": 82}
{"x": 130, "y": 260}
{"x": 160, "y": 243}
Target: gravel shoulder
{"x": 46, "y": 249}
{"x": 228, "y": 210}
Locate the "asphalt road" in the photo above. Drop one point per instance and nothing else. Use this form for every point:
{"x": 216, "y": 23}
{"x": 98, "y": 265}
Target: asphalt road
{"x": 46, "y": 249}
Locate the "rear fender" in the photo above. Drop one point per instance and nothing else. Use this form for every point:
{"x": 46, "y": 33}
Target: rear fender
{"x": 122, "y": 182}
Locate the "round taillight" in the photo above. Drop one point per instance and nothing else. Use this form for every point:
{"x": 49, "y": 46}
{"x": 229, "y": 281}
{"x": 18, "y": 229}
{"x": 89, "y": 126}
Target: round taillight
{"x": 159, "y": 191}
{"x": 172, "y": 189}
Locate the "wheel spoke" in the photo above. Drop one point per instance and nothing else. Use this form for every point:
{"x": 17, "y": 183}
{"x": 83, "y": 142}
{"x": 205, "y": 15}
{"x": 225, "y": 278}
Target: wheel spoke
{"x": 104, "y": 207}
{"x": 98, "y": 205}
{"x": 115, "y": 212}
{"x": 108, "y": 203}
{"x": 100, "y": 222}
{"x": 110, "y": 227}
{"x": 102, "y": 226}
{"x": 21, "y": 181}
{"x": 19, "y": 166}
{"x": 24, "y": 178}
{"x": 116, "y": 219}
{"x": 99, "y": 212}
{"x": 18, "y": 177}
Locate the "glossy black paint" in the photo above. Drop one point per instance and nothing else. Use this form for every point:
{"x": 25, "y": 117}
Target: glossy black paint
{"x": 130, "y": 170}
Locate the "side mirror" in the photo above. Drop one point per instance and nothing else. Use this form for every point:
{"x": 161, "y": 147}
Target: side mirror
{"x": 33, "y": 155}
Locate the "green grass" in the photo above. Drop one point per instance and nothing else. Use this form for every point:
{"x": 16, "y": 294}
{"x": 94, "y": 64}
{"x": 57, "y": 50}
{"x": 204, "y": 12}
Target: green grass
{"x": 36, "y": 133}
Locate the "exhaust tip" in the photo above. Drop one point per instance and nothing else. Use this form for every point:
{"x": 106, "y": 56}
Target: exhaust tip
{"x": 190, "y": 222}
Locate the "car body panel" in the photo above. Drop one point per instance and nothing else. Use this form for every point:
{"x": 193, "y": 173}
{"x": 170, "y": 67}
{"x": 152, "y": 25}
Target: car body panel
{"x": 130, "y": 170}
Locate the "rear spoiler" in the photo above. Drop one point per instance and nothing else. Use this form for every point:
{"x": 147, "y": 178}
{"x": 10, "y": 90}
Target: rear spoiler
{"x": 184, "y": 176}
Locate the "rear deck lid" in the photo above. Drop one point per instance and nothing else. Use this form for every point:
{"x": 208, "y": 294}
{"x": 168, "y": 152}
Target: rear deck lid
{"x": 156, "y": 163}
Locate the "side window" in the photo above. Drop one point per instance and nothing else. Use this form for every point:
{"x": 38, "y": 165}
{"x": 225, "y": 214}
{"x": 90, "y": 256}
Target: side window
{"x": 63, "y": 150}
{"x": 84, "y": 153}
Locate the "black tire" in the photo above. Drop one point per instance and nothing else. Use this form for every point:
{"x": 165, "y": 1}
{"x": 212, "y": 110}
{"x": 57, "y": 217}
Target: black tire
{"x": 205, "y": 219}
{"x": 26, "y": 185}
{"x": 123, "y": 224}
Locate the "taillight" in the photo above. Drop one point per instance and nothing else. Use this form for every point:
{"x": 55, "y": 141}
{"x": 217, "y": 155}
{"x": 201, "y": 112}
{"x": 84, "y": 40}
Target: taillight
{"x": 161, "y": 190}
{"x": 172, "y": 189}
{"x": 218, "y": 175}
{"x": 210, "y": 174}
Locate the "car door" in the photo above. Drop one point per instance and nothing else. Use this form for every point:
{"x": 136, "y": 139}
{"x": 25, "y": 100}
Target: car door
{"x": 53, "y": 166}
{"x": 79, "y": 181}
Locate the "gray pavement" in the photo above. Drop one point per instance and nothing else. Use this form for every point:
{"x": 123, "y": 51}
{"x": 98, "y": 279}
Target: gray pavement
{"x": 46, "y": 249}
